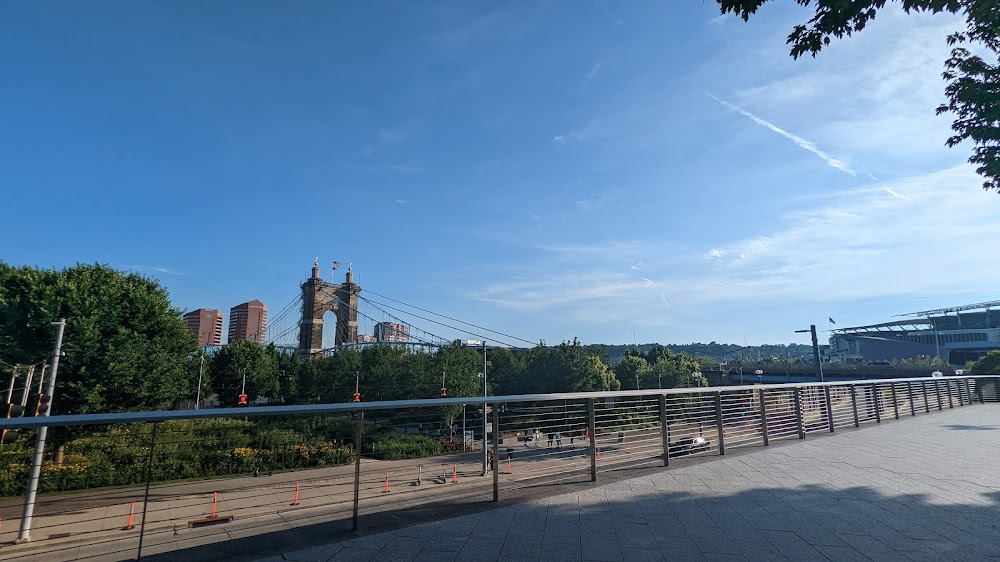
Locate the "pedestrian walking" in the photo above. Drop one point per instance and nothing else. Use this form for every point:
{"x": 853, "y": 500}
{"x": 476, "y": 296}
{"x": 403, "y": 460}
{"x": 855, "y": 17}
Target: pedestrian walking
{"x": 550, "y": 440}
{"x": 558, "y": 440}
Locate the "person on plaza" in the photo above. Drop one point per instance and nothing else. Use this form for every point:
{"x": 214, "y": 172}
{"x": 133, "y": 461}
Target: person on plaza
{"x": 550, "y": 440}
{"x": 558, "y": 440}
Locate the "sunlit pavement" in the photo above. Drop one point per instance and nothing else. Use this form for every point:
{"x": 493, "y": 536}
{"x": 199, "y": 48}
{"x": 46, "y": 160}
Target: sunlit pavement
{"x": 925, "y": 488}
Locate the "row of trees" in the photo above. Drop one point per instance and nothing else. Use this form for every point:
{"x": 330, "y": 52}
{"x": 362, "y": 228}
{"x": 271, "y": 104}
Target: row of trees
{"x": 387, "y": 373}
{"x": 126, "y": 348}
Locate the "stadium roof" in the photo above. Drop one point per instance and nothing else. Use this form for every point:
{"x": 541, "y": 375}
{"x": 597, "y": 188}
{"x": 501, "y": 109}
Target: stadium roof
{"x": 898, "y": 325}
{"x": 961, "y": 308}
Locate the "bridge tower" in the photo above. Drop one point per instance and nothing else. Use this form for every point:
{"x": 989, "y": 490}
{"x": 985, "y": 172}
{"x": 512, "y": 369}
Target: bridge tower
{"x": 320, "y": 297}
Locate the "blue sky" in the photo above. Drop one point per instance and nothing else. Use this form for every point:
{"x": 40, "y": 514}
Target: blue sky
{"x": 546, "y": 169}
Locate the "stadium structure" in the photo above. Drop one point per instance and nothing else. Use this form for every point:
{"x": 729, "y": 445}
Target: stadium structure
{"x": 956, "y": 335}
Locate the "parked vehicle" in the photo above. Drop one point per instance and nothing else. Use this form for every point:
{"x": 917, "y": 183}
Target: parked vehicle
{"x": 689, "y": 446}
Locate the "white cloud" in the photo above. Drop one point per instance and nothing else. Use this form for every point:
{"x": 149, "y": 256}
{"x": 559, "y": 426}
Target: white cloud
{"x": 405, "y": 169}
{"x": 919, "y": 240}
{"x": 637, "y": 266}
{"x": 400, "y": 201}
{"x": 799, "y": 141}
{"x": 594, "y": 70}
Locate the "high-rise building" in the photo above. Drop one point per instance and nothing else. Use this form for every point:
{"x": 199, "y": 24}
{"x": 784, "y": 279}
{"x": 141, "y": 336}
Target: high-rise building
{"x": 248, "y": 321}
{"x": 392, "y": 332}
{"x": 206, "y": 324}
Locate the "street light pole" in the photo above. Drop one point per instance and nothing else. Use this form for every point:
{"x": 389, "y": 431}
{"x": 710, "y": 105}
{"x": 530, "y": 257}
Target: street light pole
{"x": 484, "y": 408}
{"x": 815, "y": 342}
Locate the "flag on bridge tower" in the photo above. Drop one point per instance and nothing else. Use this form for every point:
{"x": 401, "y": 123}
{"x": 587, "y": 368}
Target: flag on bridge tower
{"x": 336, "y": 265}
{"x": 831, "y": 320}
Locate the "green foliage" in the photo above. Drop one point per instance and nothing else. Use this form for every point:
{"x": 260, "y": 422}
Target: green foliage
{"x": 125, "y": 347}
{"x": 988, "y": 364}
{"x": 972, "y": 81}
{"x": 394, "y": 446}
{"x": 247, "y": 360}
{"x": 118, "y": 455}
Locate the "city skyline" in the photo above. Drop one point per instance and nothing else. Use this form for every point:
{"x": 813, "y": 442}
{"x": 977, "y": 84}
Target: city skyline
{"x": 649, "y": 171}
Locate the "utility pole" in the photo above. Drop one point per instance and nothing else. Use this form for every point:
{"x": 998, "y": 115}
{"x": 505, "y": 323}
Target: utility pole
{"x": 27, "y": 387}
{"x": 24, "y": 534}
{"x": 10, "y": 389}
{"x": 201, "y": 365}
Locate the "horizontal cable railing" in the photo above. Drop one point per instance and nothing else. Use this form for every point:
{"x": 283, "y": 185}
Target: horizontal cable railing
{"x": 176, "y": 479}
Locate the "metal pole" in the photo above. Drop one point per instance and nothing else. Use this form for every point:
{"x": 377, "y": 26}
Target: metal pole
{"x": 829, "y": 408}
{"x": 484, "y": 408}
{"x": 145, "y": 497}
{"x": 937, "y": 392}
{"x": 592, "y": 429}
{"x": 496, "y": 454}
{"x": 718, "y": 423}
{"x": 979, "y": 391}
{"x": 201, "y": 365}
{"x": 895, "y": 401}
{"x": 41, "y": 379}
{"x": 357, "y": 468}
{"x": 798, "y": 412}
{"x": 24, "y": 533}
{"x": 951, "y": 399}
{"x": 927, "y": 404}
{"x": 877, "y": 404}
{"x": 819, "y": 364}
{"x": 909, "y": 392}
{"x": 664, "y": 438}
{"x": 27, "y": 387}
{"x": 763, "y": 416}
{"x": 10, "y": 389}
{"x": 854, "y": 406}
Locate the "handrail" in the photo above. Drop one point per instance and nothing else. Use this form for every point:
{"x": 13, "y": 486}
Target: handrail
{"x": 349, "y": 407}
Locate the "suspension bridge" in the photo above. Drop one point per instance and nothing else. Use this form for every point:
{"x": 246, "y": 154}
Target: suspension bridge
{"x": 363, "y": 319}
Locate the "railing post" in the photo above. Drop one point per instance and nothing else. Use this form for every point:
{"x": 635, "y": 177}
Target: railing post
{"x": 909, "y": 392}
{"x": 718, "y": 423}
{"x": 763, "y": 415}
{"x": 951, "y": 399}
{"x": 664, "y": 436}
{"x": 496, "y": 453}
{"x": 927, "y": 404}
{"x": 145, "y": 497}
{"x": 357, "y": 468}
{"x": 876, "y": 404}
{"x": 895, "y": 400}
{"x": 854, "y": 405}
{"x": 798, "y": 412}
{"x": 937, "y": 392}
{"x": 829, "y": 407}
{"x": 979, "y": 391}
{"x": 592, "y": 424}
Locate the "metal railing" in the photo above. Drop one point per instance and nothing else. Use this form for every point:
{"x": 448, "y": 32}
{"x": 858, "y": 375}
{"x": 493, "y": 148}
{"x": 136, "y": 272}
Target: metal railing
{"x": 150, "y": 482}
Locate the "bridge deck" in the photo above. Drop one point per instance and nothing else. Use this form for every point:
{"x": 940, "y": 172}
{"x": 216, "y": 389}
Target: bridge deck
{"x": 926, "y": 489}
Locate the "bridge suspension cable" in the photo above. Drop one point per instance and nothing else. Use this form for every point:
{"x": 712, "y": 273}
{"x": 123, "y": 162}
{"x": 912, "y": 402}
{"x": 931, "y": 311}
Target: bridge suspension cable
{"x": 464, "y": 331}
{"x": 452, "y": 319}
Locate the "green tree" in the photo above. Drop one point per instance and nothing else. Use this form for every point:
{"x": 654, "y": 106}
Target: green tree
{"x": 126, "y": 347}
{"x": 972, "y": 81}
{"x": 632, "y": 369}
{"x": 988, "y": 364}
{"x": 245, "y": 360}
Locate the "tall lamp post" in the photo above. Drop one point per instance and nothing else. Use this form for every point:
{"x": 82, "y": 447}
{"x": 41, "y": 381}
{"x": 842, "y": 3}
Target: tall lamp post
{"x": 483, "y": 344}
{"x": 819, "y": 365}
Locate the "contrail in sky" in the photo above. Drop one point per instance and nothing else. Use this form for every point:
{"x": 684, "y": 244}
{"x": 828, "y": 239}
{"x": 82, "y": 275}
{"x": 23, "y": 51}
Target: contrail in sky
{"x": 799, "y": 141}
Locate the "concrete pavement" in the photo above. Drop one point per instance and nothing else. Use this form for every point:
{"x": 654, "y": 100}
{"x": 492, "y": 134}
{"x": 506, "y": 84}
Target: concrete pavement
{"x": 925, "y": 488}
